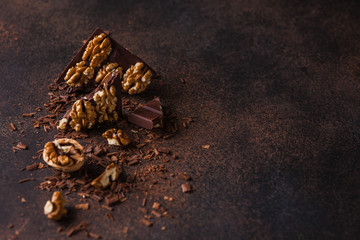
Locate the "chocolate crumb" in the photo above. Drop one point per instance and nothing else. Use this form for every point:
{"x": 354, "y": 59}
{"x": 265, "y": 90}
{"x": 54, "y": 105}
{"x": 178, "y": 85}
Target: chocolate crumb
{"x": 156, "y": 205}
{"x": 110, "y": 216}
{"x": 146, "y": 222}
{"x": 94, "y": 235}
{"x": 10, "y": 226}
{"x": 32, "y": 167}
{"x": 143, "y": 210}
{"x": 107, "y": 207}
{"x": 186, "y": 187}
{"x": 184, "y": 176}
{"x": 156, "y": 214}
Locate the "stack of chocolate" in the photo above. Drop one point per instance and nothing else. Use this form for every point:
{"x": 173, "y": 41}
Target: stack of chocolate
{"x": 106, "y": 70}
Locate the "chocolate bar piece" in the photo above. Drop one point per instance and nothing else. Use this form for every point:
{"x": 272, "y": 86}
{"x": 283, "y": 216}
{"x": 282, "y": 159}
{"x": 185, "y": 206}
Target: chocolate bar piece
{"x": 101, "y": 105}
{"x": 148, "y": 116}
{"x": 118, "y": 54}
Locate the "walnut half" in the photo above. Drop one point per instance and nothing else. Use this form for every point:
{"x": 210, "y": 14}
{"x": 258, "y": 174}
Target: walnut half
{"x": 79, "y": 75}
{"x": 54, "y": 209}
{"x": 97, "y": 50}
{"x": 111, "y": 172}
{"x": 83, "y": 115}
{"x": 136, "y": 78}
{"x": 106, "y": 104}
{"x": 116, "y": 138}
{"x": 64, "y": 154}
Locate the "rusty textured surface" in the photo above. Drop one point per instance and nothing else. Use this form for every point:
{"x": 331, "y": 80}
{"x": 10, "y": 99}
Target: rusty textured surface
{"x": 275, "y": 87}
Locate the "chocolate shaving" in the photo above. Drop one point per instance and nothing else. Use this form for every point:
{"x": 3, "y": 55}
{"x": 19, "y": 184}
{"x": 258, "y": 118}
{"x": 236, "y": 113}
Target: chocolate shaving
{"x": 26, "y": 179}
{"x": 32, "y": 167}
{"x": 12, "y": 127}
{"x": 71, "y": 230}
{"x": 28, "y": 114}
{"x": 110, "y": 216}
{"x": 83, "y": 206}
{"x": 156, "y": 214}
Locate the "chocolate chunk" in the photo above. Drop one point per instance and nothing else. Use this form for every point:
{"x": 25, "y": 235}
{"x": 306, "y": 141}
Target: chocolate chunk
{"x": 148, "y": 116}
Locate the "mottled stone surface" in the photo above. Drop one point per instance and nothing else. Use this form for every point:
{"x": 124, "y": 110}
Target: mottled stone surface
{"x": 275, "y": 87}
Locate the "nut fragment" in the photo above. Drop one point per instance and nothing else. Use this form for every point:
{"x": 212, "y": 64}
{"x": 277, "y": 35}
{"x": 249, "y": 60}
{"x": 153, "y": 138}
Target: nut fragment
{"x": 112, "y": 171}
{"x": 79, "y": 75}
{"x": 82, "y": 115}
{"x": 106, "y": 104}
{"x": 116, "y": 138}
{"x": 136, "y": 78}
{"x": 54, "y": 209}
{"x": 64, "y": 154}
{"x": 106, "y": 71}
{"x": 97, "y": 50}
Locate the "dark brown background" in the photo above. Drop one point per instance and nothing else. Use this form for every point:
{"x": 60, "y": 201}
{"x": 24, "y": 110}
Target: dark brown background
{"x": 275, "y": 87}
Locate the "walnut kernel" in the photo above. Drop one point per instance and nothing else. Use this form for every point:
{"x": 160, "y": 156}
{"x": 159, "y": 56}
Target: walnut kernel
{"x": 79, "y": 75}
{"x": 116, "y": 138}
{"x": 136, "y": 78}
{"x": 106, "y": 104}
{"x": 54, "y": 209}
{"x": 82, "y": 115}
{"x": 111, "y": 172}
{"x": 97, "y": 50}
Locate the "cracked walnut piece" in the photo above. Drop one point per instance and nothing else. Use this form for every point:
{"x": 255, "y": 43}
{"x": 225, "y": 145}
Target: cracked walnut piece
{"x": 97, "y": 50}
{"x": 112, "y": 171}
{"x": 106, "y": 71}
{"x": 116, "y": 138}
{"x": 82, "y": 115}
{"x": 136, "y": 78}
{"x": 64, "y": 154}
{"x": 79, "y": 75}
{"x": 106, "y": 104}
{"x": 54, "y": 209}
